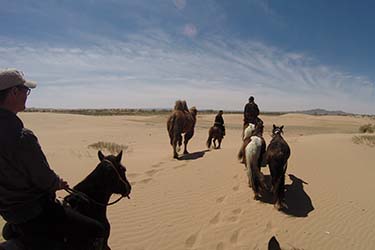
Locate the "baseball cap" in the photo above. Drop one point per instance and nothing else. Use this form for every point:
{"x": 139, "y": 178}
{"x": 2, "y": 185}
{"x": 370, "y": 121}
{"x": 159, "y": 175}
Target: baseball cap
{"x": 12, "y": 77}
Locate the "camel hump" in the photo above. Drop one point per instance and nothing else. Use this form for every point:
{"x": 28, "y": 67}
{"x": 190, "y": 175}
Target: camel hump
{"x": 181, "y": 105}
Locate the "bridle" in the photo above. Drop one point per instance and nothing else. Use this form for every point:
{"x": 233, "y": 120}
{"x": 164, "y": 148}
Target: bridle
{"x": 88, "y": 199}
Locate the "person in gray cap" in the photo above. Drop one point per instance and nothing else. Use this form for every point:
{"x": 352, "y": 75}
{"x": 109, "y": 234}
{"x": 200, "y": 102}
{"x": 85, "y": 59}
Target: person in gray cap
{"x": 27, "y": 183}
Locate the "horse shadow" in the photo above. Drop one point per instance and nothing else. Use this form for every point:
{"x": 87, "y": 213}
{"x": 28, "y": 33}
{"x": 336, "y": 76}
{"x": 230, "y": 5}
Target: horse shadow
{"x": 297, "y": 200}
{"x": 193, "y": 156}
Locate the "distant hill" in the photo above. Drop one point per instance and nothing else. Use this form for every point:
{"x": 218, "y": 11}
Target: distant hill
{"x": 125, "y": 111}
{"x": 321, "y": 112}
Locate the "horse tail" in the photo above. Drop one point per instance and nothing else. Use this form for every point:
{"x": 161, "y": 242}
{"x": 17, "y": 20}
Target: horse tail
{"x": 240, "y": 154}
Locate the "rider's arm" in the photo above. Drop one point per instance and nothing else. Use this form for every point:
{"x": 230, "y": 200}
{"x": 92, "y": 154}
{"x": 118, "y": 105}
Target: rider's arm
{"x": 35, "y": 163}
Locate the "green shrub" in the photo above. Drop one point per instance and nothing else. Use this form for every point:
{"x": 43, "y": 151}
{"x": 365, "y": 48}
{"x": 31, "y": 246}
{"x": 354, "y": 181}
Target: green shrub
{"x": 111, "y": 147}
{"x": 367, "y": 128}
{"x": 368, "y": 140}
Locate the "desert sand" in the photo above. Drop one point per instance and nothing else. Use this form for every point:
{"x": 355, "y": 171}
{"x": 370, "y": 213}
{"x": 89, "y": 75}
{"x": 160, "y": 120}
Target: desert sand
{"x": 202, "y": 201}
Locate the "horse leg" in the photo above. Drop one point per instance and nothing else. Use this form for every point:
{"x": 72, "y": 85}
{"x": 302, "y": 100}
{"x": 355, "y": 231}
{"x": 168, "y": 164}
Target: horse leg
{"x": 219, "y": 143}
{"x": 208, "y": 143}
{"x": 188, "y": 136}
{"x": 176, "y": 139}
{"x": 281, "y": 189}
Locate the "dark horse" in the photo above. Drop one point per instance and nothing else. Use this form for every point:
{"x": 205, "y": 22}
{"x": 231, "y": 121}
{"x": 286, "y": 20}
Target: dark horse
{"x": 91, "y": 197}
{"x": 215, "y": 134}
{"x": 277, "y": 156}
{"x": 182, "y": 121}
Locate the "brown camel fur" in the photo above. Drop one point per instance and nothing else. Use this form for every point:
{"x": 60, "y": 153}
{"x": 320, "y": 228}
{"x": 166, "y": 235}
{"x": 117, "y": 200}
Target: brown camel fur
{"x": 181, "y": 121}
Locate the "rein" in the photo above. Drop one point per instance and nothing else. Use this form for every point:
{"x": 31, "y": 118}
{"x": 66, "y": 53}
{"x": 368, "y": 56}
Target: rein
{"x": 87, "y": 198}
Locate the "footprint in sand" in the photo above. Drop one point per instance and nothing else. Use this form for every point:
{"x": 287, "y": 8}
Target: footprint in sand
{"x": 220, "y": 199}
{"x": 235, "y": 188}
{"x": 191, "y": 240}
{"x": 152, "y": 172}
{"x": 157, "y": 165}
{"x": 233, "y": 218}
{"x": 147, "y": 180}
{"x": 180, "y": 166}
{"x": 132, "y": 175}
{"x": 234, "y": 238}
{"x": 220, "y": 246}
{"x": 215, "y": 219}
{"x": 235, "y": 177}
{"x": 237, "y": 211}
{"x": 268, "y": 227}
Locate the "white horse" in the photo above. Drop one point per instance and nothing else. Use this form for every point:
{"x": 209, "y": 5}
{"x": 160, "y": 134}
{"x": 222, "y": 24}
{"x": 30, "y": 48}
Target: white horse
{"x": 254, "y": 153}
{"x": 248, "y": 131}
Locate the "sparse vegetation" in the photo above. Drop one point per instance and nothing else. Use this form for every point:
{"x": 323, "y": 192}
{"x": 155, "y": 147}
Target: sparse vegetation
{"x": 367, "y": 128}
{"x": 368, "y": 140}
{"x": 110, "y": 147}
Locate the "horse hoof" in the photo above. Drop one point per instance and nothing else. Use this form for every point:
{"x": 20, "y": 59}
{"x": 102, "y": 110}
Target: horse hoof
{"x": 277, "y": 206}
{"x": 257, "y": 197}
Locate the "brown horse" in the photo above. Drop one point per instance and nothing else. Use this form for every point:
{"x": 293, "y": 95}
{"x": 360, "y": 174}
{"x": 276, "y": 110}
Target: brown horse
{"x": 215, "y": 134}
{"x": 277, "y": 156}
{"x": 182, "y": 121}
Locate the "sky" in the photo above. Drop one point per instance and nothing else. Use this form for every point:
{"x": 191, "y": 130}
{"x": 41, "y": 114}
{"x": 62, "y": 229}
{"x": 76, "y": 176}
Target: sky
{"x": 290, "y": 55}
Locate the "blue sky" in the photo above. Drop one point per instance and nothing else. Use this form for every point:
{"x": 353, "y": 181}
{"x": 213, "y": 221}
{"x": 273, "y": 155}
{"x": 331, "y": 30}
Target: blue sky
{"x": 291, "y": 55}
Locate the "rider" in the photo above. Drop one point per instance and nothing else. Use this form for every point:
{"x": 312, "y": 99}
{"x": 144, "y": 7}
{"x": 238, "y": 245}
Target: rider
{"x": 28, "y": 184}
{"x": 251, "y": 111}
{"x": 219, "y": 121}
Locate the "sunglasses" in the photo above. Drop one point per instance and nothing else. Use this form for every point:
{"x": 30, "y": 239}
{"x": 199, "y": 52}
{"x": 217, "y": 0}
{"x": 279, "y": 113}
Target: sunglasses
{"x": 26, "y": 89}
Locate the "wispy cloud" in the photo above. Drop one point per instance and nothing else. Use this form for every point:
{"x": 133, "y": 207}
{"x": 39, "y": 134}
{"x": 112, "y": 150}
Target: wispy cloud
{"x": 152, "y": 70}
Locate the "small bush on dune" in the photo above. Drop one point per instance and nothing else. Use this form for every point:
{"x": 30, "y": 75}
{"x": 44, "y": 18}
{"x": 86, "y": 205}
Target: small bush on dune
{"x": 111, "y": 147}
{"x": 367, "y": 128}
{"x": 368, "y": 140}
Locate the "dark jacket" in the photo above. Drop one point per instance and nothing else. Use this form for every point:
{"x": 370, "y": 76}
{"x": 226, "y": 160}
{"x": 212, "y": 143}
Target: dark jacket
{"x": 219, "y": 120}
{"x": 251, "y": 112}
{"x": 25, "y": 176}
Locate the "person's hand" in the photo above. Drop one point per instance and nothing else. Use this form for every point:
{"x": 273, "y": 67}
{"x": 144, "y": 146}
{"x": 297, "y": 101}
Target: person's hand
{"x": 63, "y": 184}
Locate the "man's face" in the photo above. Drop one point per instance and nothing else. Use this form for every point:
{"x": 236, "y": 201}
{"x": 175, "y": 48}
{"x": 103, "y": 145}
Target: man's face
{"x": 20, "y": 94}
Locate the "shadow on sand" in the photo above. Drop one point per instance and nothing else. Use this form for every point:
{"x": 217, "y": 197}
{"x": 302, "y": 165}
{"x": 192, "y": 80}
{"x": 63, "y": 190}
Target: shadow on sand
{"x": 193, "y": 156}
{"x": 298, "y": 202}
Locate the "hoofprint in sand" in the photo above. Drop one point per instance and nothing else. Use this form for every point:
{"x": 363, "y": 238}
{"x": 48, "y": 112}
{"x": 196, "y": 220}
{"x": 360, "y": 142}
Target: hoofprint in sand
{"x": 202, "y": 201}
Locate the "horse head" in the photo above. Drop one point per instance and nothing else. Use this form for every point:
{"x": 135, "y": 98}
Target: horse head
{"x": 258, "y": 130}
{"x": 115, "y": 174}
{"x": 277, "y": 130}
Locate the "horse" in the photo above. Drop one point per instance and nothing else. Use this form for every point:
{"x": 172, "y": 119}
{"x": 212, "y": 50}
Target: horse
{"x": 90, "y": 197}
{"x": 254, "y": 153}
{"x": 247, "y": 124}
{"x": 215, "y": 134}
{"x": 277, "y": 155}
{"x": 181, "y": 121}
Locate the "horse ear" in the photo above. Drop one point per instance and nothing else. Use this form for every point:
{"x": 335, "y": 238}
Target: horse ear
{"x": 100, "y": 155}
{"x": 119, "y": 156}
{"x": 274, "y": 126}
{"x": 282, "y": 127}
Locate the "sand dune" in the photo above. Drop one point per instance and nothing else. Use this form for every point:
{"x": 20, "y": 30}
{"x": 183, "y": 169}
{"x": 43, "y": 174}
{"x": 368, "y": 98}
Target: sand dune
{"x": 203, "y": 201}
